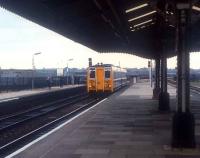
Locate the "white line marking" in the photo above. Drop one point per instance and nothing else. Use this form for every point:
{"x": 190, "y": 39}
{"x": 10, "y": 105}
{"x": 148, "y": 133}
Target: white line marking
{"x": 9, "y": 99}
{"x": 52, "y": 131}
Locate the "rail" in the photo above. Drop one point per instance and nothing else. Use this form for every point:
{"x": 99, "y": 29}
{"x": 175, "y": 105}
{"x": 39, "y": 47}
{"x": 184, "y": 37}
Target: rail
{"x": 13, "y": 122}
{"x": 18, "y": 127}
{"x": 173, "y": 83}
{"x": 16, "y": 119}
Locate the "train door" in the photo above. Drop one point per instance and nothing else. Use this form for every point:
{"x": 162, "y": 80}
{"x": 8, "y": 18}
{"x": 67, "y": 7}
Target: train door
{"x": 100, "y": 79}
{"x": 91, "y": 83}
{"x": 108, "y": 86}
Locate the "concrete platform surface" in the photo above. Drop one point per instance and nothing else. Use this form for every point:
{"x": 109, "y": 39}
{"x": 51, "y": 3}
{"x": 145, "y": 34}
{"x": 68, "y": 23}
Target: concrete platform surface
{"x": 7, "y": 96}
{"x": 126, "y": 125}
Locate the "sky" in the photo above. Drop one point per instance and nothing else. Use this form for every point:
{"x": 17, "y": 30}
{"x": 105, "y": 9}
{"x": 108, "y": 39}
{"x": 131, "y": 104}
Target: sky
{"x": 21, "y": 38}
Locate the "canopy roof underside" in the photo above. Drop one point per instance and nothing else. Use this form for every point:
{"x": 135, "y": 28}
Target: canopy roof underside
{"x": 126, "y": 26}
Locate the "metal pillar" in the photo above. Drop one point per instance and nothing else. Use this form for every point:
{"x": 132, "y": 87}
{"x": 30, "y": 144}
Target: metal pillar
{"x": 183, "y": 132}
{"x": 164, "y": 95}
{"x": 164, "y": 74}
{"x": 162, "y": 40}
{"x": 33, "y": 73}
{"x": 150, "y": 72}
{"x": 156, "y": 90}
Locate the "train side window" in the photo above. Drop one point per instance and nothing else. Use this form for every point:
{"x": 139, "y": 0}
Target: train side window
{"x": 107, "y": 74}
{"x": 92, "y": 74}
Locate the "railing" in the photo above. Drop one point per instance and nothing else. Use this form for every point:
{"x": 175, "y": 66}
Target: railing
{"x": 22, "y": 83}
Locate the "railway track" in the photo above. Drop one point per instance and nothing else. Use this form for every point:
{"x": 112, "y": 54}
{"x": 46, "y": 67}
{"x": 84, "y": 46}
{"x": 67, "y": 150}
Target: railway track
{"x": 37, "y": 121}
{"x": 16, "y": 119}
{"x": 194, "y": 88}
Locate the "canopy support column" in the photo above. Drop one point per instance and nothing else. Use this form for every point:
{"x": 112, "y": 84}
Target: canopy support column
{"x": 156, "y": 90}
{"x": 183, "y": 129}
{"x": 164, "y": 95}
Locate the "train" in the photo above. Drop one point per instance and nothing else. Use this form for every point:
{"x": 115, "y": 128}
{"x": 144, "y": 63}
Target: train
{"x": 105, "y": 78}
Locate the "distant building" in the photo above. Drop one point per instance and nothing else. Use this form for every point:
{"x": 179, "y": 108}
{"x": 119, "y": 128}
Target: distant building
{"x": 75, "y": 72}
{"x": 14, "y": 73}
{"x": 142, "y": 72}
{"x": 46, "y": 72}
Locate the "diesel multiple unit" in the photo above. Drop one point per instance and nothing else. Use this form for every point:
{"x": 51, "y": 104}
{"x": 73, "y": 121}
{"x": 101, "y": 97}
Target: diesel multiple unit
{"x": 105, "y": 78}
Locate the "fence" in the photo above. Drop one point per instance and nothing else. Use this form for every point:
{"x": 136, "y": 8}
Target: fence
{"x": 22, "y": 83}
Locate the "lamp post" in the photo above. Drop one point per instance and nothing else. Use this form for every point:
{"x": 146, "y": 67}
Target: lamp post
{"x": 150, "y": 71}
{"x": 33, "y": 68}
{"x": 68, "y": 67}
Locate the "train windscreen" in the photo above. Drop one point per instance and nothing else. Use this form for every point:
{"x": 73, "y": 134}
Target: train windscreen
{"x": 107, "y": 72}
{"x": 92, "y": 73}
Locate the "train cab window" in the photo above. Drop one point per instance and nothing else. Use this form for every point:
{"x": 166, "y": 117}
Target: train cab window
{"x": 107, "y": 74}
{"x": 92, "y": 74}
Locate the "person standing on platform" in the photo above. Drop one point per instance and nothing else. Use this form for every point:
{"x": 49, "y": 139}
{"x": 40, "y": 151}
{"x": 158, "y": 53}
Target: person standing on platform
{"x": 49, "y": 82}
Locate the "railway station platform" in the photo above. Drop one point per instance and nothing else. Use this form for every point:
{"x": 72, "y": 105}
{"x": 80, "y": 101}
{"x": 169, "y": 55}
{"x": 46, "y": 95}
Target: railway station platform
{"x": 13, "y": 95}
{"x": 16, "y": 102}
{"x": 125, "y": 125}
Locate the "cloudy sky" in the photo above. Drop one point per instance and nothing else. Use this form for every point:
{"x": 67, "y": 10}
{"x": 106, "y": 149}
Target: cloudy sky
{"x": 21, "y": 38}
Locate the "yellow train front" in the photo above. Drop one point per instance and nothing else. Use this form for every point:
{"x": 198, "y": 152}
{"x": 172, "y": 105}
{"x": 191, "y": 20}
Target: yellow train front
{"x": 105, "y": 78}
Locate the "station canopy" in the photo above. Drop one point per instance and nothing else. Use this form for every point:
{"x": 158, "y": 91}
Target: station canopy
{"x": 145, "y": 28}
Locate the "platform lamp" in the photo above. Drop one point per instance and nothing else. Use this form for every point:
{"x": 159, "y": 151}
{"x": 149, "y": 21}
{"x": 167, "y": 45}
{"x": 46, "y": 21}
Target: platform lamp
{"x": 33, "y": 68}
{"x": 150, "y": 71}
{"x": 71, "y": 59}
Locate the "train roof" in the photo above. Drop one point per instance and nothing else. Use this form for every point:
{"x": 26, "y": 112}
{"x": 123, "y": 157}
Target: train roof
{"x": 105, "y": 65}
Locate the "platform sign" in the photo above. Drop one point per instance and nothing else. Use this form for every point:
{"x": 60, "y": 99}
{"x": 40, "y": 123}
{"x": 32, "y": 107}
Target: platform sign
{"x": 60, "y": 72}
